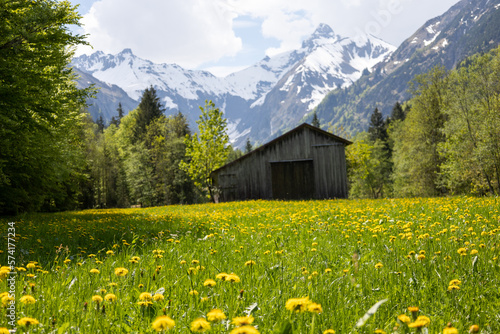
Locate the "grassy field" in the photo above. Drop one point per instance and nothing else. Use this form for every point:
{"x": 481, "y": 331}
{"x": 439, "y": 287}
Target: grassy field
{"x": 269, "y": 267}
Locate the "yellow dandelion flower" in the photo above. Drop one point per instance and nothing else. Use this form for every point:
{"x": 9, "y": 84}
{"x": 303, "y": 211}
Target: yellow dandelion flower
{"x": 315, "y": 308}
{"x": 421, "y": 257}
{"x": 328, "y": 270}
{"x": 158, "y": 297}
{"x": 182, "y": 262}
{"x": 474, "y": 252}
{"x": 462, "y": 251}
{"x": 97, "y": 299}
{"x": 404, "y": 318}
{"x": 141, "y": 286}
{"x": 94, "y": 271}
{"x": 31, "y": 266}
{"x": 145, "y": 303}
{"x": 379, "y": 331}
{"x": 453, "y": 287}
{"x": 379, "y": 265}
{"x": 7, "y": 299}
{"x": 195, "y": 262}
{"x": 121, "y": 271}
{"x": 249, "y": 263}
{"x": 146, "y": 296}
{"x": 245, "y": 330}
{"x": 193, "y": 293}
{"x": 67, "y": 261}
{"x": 329, "y": 331}
{"x": 4, "y": 274}
{"x": 4, "y": 330}
{"x": 297, "y": 304}
{"x": 215, "y": 315}
{"x": 112, "y": 284}
{"x": 221, "y": 276}
{"x": 26, "y": 322}
{"x": 413, "y": 309}
{"x": 162, "y": 323}
{"x": 110, "y": 252}
{"x": 421, "y": 321}
{"x": 455, "y": 282}
{"x": 200, "y": 325}
{"x": 233, "y": 278}
{"x": 450, "y": 330}
{"x": 474, "y": 329}
{"x": 27, "y": 299}
{"x": 242, "y": 321}
{"x": 210, "y": 283}
{"x": 110, "y": 297}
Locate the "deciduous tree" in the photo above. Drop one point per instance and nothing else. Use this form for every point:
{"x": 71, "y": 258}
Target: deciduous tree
{"x": 41, "y": 153}
{"x": 208, "y": 149}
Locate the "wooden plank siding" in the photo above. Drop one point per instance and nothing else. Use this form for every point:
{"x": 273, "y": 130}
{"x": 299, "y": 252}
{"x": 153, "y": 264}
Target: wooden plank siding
{"x": 304, "y": 154}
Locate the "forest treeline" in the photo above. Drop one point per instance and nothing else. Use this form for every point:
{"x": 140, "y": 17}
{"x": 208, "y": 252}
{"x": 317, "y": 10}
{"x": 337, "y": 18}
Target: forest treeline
{"x": 444, "y": 140}
{"x": 54, "y": 157}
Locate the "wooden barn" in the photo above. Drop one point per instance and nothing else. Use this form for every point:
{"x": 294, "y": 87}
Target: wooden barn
{"x": 304, "y": 163}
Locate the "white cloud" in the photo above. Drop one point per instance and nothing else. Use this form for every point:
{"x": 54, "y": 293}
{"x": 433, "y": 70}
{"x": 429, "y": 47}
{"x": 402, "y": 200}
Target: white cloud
{"x": 188, "y": 32}
{"x": 197, "y": 33}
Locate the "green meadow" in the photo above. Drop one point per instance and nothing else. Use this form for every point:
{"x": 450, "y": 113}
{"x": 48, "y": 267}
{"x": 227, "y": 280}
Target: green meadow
{"x": 338, "y": 266}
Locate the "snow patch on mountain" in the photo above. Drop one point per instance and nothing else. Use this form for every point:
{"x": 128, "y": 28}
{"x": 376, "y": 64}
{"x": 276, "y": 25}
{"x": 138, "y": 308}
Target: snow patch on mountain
{"x": 289, "y": 84}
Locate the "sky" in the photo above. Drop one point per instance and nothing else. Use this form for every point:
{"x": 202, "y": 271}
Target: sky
{"x": 223, "y": 36}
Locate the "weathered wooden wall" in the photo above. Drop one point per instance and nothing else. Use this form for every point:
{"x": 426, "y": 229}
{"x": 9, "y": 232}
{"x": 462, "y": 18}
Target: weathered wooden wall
{"x": 250, "y": 177}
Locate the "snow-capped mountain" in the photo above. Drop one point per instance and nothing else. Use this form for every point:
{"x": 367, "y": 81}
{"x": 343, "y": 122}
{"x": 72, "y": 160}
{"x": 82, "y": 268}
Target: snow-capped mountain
{"x": 259, "y": 102}
{"x": 467, "y": 28}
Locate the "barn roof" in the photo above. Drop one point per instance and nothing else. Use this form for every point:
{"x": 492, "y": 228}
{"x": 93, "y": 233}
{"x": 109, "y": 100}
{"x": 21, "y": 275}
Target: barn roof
{"x": 283, "y": 136}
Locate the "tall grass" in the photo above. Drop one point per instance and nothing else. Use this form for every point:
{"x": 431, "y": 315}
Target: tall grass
{"x": 344, "y": 255}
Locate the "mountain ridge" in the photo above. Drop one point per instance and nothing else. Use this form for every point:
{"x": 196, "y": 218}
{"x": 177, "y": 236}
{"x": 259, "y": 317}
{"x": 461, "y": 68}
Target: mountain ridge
{"x": 466, "y": 28}
{"x": 279, "y": 89}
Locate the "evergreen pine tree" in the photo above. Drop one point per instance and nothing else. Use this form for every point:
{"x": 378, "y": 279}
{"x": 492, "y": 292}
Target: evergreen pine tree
{"x": 397, "y": 113}
{"x": 114, "y": 121}
{"x": 100, "y": 124}
{"x": 150, "y": 108}
{"x": 315, "y": 121}
{"x": 248, "y": 146}
{"x": 120, "y": 111}
{"x": 377, "y": 129}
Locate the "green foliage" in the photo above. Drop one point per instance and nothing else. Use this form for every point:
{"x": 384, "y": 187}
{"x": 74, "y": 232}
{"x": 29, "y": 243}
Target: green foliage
{"x": 315, "y": 120}
{"x": 208, "y": 149}
{"x": 368, "y": 168}
{"x": 123, "y": 170}
{"x": 416, "y": 157}
{"x": 165, "y": 142}
{"x": 397, "y": 113}
{"x": 150, "y": 108}
{"x": 41, "y": 155}
{"x": 248, "y": 146}
{"x": 472, "y": 147}
{"x": 377, "y": 129}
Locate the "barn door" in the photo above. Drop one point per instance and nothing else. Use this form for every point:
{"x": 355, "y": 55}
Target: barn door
{"x": 293, "y": 179}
